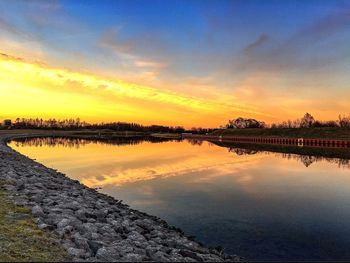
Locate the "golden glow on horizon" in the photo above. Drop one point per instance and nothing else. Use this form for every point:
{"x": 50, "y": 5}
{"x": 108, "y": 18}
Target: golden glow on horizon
{"x": 35, "y": 90}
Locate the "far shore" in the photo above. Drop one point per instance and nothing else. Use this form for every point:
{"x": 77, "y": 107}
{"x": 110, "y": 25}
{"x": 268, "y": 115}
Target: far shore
{"x": 334, "y": 133}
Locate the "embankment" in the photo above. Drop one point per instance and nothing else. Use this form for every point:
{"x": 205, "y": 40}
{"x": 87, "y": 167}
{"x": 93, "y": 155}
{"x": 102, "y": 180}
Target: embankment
{"x": 92, "y": 226}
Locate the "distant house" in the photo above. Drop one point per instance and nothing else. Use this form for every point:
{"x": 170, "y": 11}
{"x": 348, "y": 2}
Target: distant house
{"x": 7, "y": 123}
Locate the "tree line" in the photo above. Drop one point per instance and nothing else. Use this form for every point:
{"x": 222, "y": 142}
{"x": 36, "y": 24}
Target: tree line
{"x": 76, "y": 124}
{"x": 307, "y": 121}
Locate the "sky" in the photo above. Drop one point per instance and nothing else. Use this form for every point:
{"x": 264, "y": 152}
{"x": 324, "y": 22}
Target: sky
{"x": 180, "y": 62}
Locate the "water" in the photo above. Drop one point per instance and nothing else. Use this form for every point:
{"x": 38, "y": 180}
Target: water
{"x": 258, "y": 204}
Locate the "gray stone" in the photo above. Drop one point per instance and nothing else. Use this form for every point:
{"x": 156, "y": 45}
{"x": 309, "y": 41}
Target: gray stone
{"x": 72, "y": 205}
{"x": 81, "y": 242}
{"x": 132, "y": 257}
{"x": 37, "y": 211}
{"x": 107, "y": 254}
{"x": 95, "y": 246}
{"x": 159, "y": 257}
{"x": 190, "y": 254}
{"x": 81, "y": 214}
{"x": 63, "y": 223}
{"x": 75, "y": 252}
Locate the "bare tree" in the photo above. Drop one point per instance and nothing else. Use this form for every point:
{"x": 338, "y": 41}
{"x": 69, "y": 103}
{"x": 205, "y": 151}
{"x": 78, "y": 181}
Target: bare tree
{"x": 344, "y": 121}
{"x": 307, "y": 121}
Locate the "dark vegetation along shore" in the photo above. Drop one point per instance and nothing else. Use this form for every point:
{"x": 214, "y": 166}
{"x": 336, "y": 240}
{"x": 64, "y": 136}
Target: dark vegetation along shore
{"x": 310, "y": 133}
{"x": 55, "y": 218}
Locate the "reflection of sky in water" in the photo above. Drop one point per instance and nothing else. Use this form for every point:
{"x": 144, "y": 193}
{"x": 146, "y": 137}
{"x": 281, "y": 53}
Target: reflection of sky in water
{"x": 260, "y": 206}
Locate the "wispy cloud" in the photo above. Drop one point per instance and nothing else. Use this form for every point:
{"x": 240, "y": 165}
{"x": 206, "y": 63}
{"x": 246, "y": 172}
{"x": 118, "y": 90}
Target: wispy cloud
{"x": 260, "y": 41}
{"x": 301, "y": 50}
{"x": 129, "y": 55}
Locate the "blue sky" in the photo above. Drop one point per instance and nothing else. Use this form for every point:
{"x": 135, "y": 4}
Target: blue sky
{"x": 271, "y": 49}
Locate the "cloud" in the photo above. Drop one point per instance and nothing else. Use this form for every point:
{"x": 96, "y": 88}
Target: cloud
{"x": 130, "y": 55}
{"x": 4, "y": 25}
{"x": 10, "y": 57}
{"x": 148, "y": 64}
{"x": 13, "y": 30}
{"x": 260, "y": 41}
{"x": 111, "y": 41}
{"x": 327, "y": 26}
{"x": 303, "y": 50}
{"x": 41, "y": 13}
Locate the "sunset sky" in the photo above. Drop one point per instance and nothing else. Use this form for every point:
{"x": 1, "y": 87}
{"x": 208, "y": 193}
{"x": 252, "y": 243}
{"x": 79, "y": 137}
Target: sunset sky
{"x": 189, "y": 63}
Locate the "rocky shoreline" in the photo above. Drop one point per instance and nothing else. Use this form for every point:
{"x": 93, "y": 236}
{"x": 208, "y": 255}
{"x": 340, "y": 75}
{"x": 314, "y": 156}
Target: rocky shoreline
{"x": 92, "y": 226}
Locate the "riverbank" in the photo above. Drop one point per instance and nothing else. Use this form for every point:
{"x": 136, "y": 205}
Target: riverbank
{"x": 309, "y": 133}
{"x": 89, "y": 225}
{"x": 167, "y": 135}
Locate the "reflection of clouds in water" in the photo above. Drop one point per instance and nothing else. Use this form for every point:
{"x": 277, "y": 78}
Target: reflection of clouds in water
{"x": 100, "y": 178}
{"x": 245, "y": 178}
{"x": 180, "y": 167}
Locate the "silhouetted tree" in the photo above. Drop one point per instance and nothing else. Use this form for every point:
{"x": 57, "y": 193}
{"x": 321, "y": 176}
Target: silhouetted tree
{"x": 344, "y": 121}
{"x": 307, "y": 121}
{"x": 241, "y": 123}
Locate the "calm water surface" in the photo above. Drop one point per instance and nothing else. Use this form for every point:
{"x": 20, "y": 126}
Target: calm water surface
{"x": 259, "y": 205}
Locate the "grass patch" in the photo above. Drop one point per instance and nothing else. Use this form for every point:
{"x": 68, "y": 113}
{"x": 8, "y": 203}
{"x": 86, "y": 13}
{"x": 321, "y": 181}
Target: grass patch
{"x": 20, "y": 237}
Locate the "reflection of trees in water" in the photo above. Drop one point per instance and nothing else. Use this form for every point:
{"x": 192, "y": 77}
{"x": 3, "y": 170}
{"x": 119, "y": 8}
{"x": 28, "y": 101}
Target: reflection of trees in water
{"x": 240, "y": 151}
{"x": 70, "y": 142}
{"x": 195, "y": 142}
{"x": 307, "y": 160}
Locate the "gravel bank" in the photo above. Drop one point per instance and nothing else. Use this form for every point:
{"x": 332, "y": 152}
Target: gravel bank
{"x": 92, "y": 226}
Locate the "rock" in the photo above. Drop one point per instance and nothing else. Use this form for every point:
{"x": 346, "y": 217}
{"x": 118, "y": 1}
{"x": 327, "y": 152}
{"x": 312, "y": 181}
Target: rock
{"x": 107, "y": 254}
{"x": 43, "y": 226}
{"x": 94, "y": 246}
{"x": 75, "y": 252}
{"x": 159, "y": 257}
{"x": 190, "y": 254}
{"x": 81, "y": 242}
{"x": 132, "y": 257}
{"x": 89, "y": 227}
{"x": 65, "y": 230}
{"x": 20, "y": 185}
{"x": 37, "y": 211}
{"x": 106, "y": 229}
{"x": 81, "y": 214}
{"x": 136, "y": 236}
{"x": 72, "y": 206}
{"x": 63, "y": 223}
